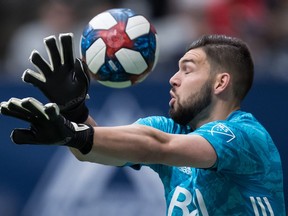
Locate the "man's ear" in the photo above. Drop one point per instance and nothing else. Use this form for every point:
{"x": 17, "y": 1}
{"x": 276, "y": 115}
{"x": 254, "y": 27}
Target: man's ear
{"x": 222, "y": 82}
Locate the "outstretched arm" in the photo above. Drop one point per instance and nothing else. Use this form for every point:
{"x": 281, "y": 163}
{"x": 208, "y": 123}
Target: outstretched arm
{"x": 106, "y": 145}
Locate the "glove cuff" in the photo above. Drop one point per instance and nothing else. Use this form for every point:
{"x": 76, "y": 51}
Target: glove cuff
{"x": 82, "y": 138}
{"x": 86, "y": 148}
{"x": 78, "y": 114}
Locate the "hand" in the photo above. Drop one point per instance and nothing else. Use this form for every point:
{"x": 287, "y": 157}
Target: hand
{"x": 63, "y": 81}
{"x": 47, "y": 126}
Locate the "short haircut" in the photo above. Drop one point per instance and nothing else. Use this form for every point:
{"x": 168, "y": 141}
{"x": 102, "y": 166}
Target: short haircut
{"x": 231, "y": 55}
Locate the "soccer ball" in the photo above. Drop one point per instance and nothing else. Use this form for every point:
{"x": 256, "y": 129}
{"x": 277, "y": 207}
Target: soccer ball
{"x": 120, "y": 47}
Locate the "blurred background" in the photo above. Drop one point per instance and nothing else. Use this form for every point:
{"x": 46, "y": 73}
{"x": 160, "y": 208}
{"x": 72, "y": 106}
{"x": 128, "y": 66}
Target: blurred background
{"x": 46, "y": 181}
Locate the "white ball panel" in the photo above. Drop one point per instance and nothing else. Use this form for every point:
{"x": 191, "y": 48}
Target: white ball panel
{"x": 137, "y": 26}
{"x": 123, "y": 84}
{"x": 95, "y": 55}
{"x": 132, "y": 61}
{"x": 103, "y": 21}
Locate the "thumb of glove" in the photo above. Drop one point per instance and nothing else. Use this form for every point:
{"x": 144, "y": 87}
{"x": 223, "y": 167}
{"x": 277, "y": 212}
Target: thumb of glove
{"x": 23, "y": 136}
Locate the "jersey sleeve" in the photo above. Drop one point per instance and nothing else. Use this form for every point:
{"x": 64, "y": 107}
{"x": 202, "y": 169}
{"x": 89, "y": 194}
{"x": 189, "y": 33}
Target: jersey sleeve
{"x": 234, "y": 149}
{"x": 164, "y": 124}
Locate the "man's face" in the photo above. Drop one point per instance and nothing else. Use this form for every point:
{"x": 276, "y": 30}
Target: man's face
{"x": 191, "y": 90}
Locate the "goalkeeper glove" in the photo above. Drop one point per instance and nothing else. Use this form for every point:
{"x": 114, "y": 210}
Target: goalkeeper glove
{"x": 47, "y": 126}
{"x": 63, "y": 81}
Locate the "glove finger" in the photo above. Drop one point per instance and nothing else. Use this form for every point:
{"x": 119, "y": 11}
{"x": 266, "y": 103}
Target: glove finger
{"x": 35, "y": 107}
{"x": 81, "y": 72}
{"x": 37, "y": 79}
{"x": 53, "y": 51}
{"x": 13, "y": 108}
{"x": 52, "y": 110}
{"x": 23, "y": 136}
{"x": 41, "y": 64}
{"x": 66, "y": 47}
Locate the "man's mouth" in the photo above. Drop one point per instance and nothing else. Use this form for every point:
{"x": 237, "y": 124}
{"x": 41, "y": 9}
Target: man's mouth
{"x": 173, "y": 99}
{"x": 171, "y": 102}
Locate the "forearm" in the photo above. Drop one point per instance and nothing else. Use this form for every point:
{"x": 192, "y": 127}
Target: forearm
{"x": 133, "y": 143}
{"x": 120, "y": 145}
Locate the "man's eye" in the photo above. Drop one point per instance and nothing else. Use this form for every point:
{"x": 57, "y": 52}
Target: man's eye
{"x": 188, "y": 71}
{"x": 185, "y": 69}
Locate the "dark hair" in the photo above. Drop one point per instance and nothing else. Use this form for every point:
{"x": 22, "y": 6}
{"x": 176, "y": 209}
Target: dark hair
{"x": 232, "y": 55}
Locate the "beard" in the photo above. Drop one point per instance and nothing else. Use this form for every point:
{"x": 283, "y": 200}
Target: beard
{"x": 194, "y": 105}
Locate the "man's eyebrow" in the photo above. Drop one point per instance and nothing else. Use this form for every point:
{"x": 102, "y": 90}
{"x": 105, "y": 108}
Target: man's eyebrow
{"x": 183, "y": 61}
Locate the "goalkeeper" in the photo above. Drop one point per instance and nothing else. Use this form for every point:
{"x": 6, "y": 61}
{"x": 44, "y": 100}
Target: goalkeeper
{"x": 212, "y": 157}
